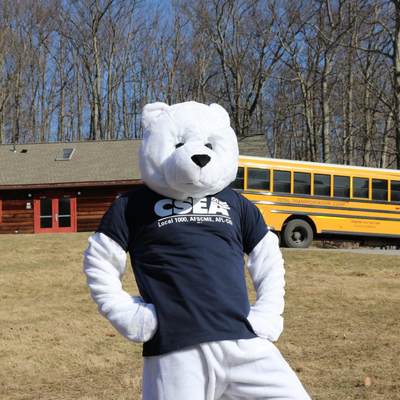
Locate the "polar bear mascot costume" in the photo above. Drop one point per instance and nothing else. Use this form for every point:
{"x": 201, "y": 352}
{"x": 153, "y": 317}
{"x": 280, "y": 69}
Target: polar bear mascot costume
{"x": 186, "y": 233}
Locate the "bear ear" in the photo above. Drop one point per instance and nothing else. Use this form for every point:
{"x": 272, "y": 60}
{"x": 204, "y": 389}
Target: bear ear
{"x": 222, "y": 113}
{"x": 151, "y": 112}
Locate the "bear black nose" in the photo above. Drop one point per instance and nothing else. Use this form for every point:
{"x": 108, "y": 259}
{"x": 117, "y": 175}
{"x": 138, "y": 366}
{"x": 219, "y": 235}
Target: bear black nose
{"x": 201, "y": 159}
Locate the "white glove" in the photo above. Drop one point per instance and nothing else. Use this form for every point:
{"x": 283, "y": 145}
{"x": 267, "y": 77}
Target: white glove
{"x": 265, "y": 265}
{"x": 104, "y": 265}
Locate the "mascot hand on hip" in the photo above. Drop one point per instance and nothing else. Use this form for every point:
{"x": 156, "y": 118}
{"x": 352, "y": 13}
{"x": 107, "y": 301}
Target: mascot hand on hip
{"x": 186, "y": 232}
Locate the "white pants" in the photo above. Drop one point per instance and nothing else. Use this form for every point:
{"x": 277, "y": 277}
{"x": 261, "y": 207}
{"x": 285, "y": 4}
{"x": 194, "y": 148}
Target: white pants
{"x": 226, "y": 370}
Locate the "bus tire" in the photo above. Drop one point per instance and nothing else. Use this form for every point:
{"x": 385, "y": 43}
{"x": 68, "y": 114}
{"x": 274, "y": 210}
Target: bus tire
{"x": 297, "y": 234}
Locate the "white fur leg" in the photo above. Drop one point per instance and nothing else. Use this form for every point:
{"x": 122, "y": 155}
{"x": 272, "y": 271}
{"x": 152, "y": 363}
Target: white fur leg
{"x": 104, "y": 266}
{"x": 256, "y": 370}
{"x": 225, "y": 370}
{"x": 265, "y": 265}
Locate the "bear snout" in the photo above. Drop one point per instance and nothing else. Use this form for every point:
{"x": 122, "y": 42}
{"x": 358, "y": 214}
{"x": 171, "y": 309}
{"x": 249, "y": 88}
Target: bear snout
{"x": 201, "y": 159}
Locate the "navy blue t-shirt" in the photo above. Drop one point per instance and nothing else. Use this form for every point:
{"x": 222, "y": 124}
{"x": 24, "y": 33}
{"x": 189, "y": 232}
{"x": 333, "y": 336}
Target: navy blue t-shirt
{"x": 187, "y": 257}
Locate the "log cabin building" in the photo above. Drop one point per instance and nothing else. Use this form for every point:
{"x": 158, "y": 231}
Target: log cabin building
{"x": 67, "y": 186}
{"x": 63, "y": 187}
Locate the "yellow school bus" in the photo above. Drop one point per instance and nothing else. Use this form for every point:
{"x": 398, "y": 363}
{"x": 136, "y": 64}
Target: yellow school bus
{"x": 306, "y": 201}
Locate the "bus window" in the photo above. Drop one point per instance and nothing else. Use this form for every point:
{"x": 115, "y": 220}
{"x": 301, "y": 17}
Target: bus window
{"x": 322, "y": 185}
{"x": 302, "y": 183}
{"x": 395, "y": 191}
{"x": 361, "y": 188}
{"x": 379, "y": 189}
{"x": 258, "y": 178}
{"x": 238, "y": 183}
{"x": 282, "y": 181}
{"x": 341, "y": 186}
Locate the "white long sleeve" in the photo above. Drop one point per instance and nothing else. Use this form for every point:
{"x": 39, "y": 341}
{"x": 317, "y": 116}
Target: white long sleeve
{"x": 265, "y": 265}
{"x": 104, "y": 265}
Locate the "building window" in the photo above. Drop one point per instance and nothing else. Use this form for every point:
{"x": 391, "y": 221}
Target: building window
{"x": 65, "y": 154}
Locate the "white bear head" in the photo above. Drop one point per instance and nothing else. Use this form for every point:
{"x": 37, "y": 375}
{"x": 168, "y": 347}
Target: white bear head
{"x": 188, "y": 149}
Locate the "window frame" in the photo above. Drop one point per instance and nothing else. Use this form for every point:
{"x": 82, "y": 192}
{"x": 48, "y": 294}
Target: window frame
{"x": 374, "y": 191}
{"x": 342, "y": 187}
{"x": 353, "y": 188}
{"x": 397, "y": 191}
{"x": 281, "y": 182}
{"x": 247, "y": 173}
{"x": 322, "y": 186}
{"x": 302, "y": 184}
{"x": 240, "y": 180}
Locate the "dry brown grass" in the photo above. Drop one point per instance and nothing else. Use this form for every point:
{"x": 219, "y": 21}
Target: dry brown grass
{"x": 341, "y": 325}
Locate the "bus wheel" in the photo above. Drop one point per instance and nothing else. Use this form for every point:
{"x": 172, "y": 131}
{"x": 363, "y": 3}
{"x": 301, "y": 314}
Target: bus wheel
{"x": 297, "y": 234}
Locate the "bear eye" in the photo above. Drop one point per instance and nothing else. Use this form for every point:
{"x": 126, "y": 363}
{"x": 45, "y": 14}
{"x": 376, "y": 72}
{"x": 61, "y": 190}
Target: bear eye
{"x": 179, "y": 145}
{"x": 209, "y": 145}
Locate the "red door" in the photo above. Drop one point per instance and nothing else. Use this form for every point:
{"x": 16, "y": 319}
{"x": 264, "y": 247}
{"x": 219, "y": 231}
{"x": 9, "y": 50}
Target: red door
{"x": 55, "y": 213}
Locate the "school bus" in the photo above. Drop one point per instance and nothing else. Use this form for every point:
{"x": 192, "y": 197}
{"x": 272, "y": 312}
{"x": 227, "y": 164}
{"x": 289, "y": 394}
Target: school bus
{"x": 305, "y": 201}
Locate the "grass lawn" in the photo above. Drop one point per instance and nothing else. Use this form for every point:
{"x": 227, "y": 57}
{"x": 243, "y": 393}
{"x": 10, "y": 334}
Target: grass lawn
{"x": 341, "y": 331}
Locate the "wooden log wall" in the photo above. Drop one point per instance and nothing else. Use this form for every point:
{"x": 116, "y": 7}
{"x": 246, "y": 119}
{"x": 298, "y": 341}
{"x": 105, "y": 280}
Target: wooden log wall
{"x": 16, "y": 218}
{"x": 92, "y": 203}
{"x": 90, "y": 211}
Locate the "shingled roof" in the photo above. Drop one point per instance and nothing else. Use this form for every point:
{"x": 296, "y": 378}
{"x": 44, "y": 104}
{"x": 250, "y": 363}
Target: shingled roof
{"x": 253, "y": 145}
{"x": 35, "y": 164}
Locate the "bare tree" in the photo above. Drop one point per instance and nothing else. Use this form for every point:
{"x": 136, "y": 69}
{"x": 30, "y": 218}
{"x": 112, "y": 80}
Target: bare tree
{"x": 84, "y": 23}
{"x": 302, "y": 56}
{"x": 6, "y": 46}
{"x": 382, "y": 41}
{"x": 318, "y": 80}
{"x": 395, "y": 57}
{"x": 241, "y": 33}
